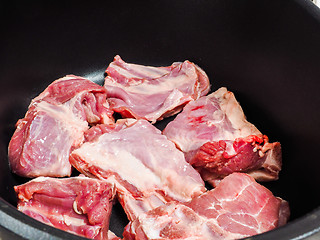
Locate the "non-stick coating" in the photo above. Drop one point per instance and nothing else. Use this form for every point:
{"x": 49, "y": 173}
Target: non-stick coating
{"x": 266, "y": 52}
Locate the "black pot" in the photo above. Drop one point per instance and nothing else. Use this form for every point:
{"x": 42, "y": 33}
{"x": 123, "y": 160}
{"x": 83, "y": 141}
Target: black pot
{"x": 266, "y": 52}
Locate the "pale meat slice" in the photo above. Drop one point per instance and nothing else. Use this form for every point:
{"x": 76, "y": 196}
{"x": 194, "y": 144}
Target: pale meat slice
{"x": 238, "y": 207}
{"x": 112, "y": 236}
{"x": 145, "y": 167}
{"x": 153, "y": 93}
{"x": 217, "y": 140}
{"x": 78, "y": 205}
{"x": 54, "y": 125}
{"x": 43, "y": 140}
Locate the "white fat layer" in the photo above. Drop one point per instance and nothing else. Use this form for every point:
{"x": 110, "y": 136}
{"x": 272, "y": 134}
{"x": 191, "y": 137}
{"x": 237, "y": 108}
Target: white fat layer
{"x": 120, "y": 161}
{"x": 73, "y": 221}
{"x": 141, "y": 155}
{"x": 40, "y": 179}
{"x": 43, "y": 179}
{"x": 164, "y": 85}
{"x": 64, "y": 114}
{"x": 231, "y": 107}
{"x": 151, "y": 72}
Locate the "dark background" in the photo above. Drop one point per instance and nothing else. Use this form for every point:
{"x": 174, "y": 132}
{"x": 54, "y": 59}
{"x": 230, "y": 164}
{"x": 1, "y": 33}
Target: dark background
{"x": 266, "y": 52}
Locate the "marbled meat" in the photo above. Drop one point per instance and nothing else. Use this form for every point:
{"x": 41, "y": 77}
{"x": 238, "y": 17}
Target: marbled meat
{"x": 238, "y": 207}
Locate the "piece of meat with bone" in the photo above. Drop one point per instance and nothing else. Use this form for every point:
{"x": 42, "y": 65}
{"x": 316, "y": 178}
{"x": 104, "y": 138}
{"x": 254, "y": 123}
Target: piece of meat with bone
{"x": 54, "y": 125}
{"x": 153, "y": 93}
{"x": 146, "y": 168}
{"x": 217, "y": 140}
{"x": 79, "y": 205}
{"x": 238, "y": 207}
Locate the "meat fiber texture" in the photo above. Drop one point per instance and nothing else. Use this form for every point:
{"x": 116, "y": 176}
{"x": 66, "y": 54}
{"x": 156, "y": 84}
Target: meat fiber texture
{"x": 238, "y": 207}
{"x": 153, "y": 93}
{"x": 146, "y": 168}
{"x": 217, "y": 140}
{"x": 79, "y": 205}
{"x": 163, "y": 196}
{"x": 54, "y": 125}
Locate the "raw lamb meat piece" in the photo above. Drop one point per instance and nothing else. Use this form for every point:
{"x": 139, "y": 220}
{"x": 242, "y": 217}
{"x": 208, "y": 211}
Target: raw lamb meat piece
{"x": 84, "y": 97}
{"x": 112, "y": 236}
{"x": 79, "y": 205}
{"x": 238, "y": 207}
{"x": 153, "y": 93}
{"x": 146, "y": 168}
{"x": 54, "y": 125}
{"x": 217, "y": 140}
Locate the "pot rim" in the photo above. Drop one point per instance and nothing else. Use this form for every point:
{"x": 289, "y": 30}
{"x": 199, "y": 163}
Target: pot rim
{"x": 26, "y": 227}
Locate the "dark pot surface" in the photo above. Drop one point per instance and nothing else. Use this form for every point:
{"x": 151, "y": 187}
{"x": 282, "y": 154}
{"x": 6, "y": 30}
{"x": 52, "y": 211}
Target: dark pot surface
{"x": 266, "y": 52}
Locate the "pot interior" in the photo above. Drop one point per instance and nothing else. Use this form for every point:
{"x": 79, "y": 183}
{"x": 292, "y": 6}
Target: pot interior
{"x": 266, "y": 52}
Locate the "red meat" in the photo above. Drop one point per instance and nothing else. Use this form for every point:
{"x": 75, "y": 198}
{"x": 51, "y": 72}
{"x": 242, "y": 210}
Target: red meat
{"x": 79, "y": 205}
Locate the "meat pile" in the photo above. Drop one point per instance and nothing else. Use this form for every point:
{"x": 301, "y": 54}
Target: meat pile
{"x": 158, "y": 177}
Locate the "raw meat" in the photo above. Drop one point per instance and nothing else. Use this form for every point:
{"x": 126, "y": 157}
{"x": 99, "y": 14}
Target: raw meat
{"x": 153, "y": 93}
{"x": 54, "y": 125}
{"x": 79, "y": 205}
{"x": 145, "y": 167}
{"x": 112, "y": 236}
{"x": 85, "y": 98}
{"x": 217, "y": 139}
{"x": 238, "y": 207}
